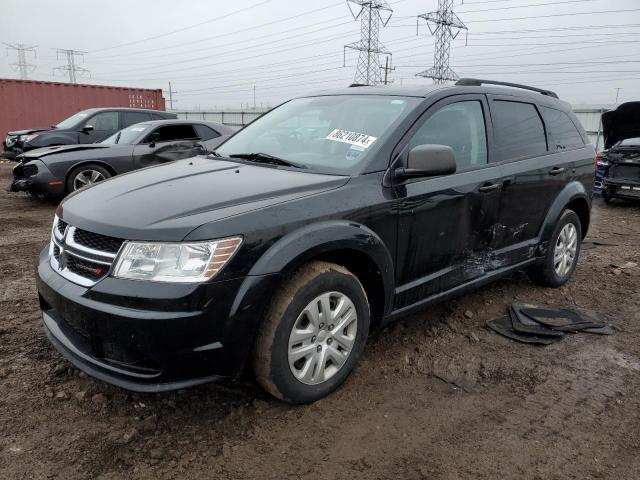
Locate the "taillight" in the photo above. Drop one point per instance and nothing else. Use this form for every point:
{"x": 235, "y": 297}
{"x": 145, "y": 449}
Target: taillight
{"x": 597, "y": 159}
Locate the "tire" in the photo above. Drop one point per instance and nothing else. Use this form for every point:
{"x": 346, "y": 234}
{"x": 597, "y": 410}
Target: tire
{"x": 276, "y": 357}
{"x": 549, "y": 272}
{"x": 88, "y": 171}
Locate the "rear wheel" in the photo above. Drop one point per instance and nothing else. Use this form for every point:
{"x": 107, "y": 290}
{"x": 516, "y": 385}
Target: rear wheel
{"x": 313, "y": 334}
{"x": 562, "y": 255}
{"x": 86, "y": 175}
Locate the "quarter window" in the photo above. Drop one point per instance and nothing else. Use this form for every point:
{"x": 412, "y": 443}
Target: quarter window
{"x": 205, "y": 133}
{"x": 105, "y": 121}
{"x": 459, "y": 125}
{"x": 135, "y": 117}
{"x": 518, "y": 130}
{"x": 562, "y": 131}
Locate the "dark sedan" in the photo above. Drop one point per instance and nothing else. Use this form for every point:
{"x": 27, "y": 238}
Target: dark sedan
{"x": 53, "y": 172}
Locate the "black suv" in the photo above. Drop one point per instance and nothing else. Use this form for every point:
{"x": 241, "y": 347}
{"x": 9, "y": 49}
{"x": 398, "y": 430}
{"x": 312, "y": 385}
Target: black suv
{"x": 87, "y": 126}
{"x": 328, "y": 215}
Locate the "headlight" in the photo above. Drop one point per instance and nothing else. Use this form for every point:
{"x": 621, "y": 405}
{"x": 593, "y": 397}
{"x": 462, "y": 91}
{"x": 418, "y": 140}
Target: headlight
{"x": 27, "y": 138}
{"x": 9, "y": 141}
{"x": 175, "y": 262}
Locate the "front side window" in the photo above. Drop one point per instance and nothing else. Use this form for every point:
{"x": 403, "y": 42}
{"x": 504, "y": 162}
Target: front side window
{"x": 331, "y": 134}
{"x": 170, "y": 133}
{"x": 104, "y": 121}
{"x": 518, "y": 130}
{"x": 562, "y": 131}
{"x": 460, "y": 126}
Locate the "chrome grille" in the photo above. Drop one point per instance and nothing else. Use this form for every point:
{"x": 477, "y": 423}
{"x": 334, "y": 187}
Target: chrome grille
{"x": 81, "y": 256}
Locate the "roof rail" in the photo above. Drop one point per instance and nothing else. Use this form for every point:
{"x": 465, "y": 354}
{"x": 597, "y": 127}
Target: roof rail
{"x": 474, "y": 82}
{"x": 358, "y": 85}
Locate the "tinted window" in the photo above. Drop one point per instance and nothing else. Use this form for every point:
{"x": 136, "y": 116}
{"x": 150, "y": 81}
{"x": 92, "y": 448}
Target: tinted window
{"x": 518, "y": 130}
{"x": 104, "y": 121}
{"x": 135, "y": 117}
{"x": 459, "y": 125}
{"x": 562, "y": 131}
{"x": 175, "y": 132}
{"x": 205, "y": 133}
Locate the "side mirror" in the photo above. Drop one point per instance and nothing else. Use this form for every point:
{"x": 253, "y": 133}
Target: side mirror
{"x": 87, "y": 128}
{"x": 428, "y": 161}
{"x": 153, "y": 139}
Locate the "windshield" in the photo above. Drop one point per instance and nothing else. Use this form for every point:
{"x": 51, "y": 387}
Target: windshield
{"x": 73, "y": 120}
{"x": 127, "y": 136}
{"x": 630, "y": 141}
{"x": 332, "y": 134}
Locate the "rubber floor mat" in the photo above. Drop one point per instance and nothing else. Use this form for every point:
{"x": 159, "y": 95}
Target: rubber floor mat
{"x": 559, "y": 319}
{"x": 504, "y": 327}
{"x": 523, "y": 324}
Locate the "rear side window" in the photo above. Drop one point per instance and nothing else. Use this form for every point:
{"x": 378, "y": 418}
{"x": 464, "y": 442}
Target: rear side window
{"x": 175, "y": 132}
{"x": 205, "y": 133}
{"x": 562, "y": 131}
{"x": 460, "y": 126}
{"x": 518, "y": 130}
{"x": 135, "y": 117}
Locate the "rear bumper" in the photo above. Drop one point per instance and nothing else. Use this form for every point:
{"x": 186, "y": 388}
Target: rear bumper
{"x": 621, "y": 188}
{"x": 150, "y": 337}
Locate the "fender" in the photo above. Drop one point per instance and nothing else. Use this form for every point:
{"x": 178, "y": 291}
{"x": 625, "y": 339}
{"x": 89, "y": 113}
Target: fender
{"x": 308, "y": 242}
{"x": 103, "y": 164}
{"x": 572, "y": 191}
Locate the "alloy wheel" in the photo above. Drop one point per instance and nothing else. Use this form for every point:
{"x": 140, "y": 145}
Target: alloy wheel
{"x": 87, "y": 177}
{"x": 322, "y": 338}
{"x": 564, "y": 254}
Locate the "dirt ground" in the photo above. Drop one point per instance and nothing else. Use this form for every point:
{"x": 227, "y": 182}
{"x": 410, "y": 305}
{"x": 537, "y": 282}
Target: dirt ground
{"x": 436, "y": 396}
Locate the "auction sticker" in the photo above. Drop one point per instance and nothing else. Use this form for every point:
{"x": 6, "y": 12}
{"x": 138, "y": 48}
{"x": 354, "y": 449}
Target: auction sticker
{"x": 352, "y": 138}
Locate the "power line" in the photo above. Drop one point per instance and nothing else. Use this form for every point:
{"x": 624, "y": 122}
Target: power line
{"x": 446, "y": 26}
{"x": 21, "y": 64}
{"x": 71, "y": 68}
{"x": 373, "y": 14}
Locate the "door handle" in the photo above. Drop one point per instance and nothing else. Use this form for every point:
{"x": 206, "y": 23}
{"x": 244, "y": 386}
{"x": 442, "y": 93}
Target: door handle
{"x": 490, "y": 187}
{"x": 557, "y": 171}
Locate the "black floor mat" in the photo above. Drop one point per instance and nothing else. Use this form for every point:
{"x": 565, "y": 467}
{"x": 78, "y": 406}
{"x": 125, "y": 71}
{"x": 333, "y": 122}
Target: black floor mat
{"x": 504, "y": 327}
{"x": 559, "y": 319}
{"x": 523, "y": 324}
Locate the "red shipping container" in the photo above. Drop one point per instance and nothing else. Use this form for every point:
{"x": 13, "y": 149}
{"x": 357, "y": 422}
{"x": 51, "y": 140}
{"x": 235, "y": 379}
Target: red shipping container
{"x": 34, "y": 104}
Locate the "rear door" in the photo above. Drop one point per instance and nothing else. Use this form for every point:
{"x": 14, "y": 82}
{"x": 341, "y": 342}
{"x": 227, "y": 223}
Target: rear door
{"x": 174, "y": 142}
{"x": 534, "y": 174}
{"x": 444, "y": 223}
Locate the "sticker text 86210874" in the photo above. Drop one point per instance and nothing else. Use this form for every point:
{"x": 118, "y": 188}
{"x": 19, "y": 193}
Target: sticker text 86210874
{"x": 352, "y": 138}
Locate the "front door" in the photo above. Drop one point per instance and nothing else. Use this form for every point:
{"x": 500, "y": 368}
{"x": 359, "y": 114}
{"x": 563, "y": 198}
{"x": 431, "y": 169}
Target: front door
{"x": 445, "y": 223}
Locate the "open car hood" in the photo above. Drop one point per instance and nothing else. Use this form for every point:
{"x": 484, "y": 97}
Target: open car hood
{"x": 621, "y": 123}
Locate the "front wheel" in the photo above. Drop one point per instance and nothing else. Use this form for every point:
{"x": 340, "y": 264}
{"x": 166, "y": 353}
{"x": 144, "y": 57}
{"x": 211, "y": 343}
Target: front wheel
{"x": 313, "y": 334}
{"x": 86, "y": 175}
{"x": 562, "y": 254}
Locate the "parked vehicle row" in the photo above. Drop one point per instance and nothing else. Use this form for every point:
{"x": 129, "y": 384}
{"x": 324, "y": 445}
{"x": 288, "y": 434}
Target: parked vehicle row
{"x": 87, "y": 126}
{"x": 618, "y": 166}
{"x": 55, "y": 171}
{"x": 330, "y": 215}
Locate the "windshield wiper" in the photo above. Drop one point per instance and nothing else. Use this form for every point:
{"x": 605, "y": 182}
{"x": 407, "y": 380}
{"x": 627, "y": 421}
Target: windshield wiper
{"x": 266, "y": 158}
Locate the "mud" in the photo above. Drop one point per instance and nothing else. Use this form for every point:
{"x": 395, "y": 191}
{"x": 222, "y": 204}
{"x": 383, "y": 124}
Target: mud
{"x": 436, "y": 396}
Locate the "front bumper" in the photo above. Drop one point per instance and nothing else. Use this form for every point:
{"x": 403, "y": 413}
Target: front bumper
{"x": 152, "y": 337}
{"x": 42, "y": 184}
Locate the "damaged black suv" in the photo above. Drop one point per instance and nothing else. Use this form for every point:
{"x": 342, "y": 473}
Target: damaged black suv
{"x": 329, "y": 215}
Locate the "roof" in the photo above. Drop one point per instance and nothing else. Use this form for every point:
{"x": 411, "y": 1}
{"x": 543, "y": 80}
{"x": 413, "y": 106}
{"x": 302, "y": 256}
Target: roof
{"x": 224, "y": 129}
{"x": 161, "y": 112}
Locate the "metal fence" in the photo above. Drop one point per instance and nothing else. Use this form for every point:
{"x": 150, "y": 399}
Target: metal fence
{"x": 233, "y": 118}
{"x": 588, "y": 116}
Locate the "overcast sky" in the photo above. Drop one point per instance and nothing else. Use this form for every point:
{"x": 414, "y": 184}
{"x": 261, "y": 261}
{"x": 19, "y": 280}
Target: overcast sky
{"x": 215, "y": 52}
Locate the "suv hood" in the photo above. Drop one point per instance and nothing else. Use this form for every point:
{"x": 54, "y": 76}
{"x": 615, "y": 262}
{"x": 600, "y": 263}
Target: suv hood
{"x": 167, "y": 202}
{"x": 621, "y": 123}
